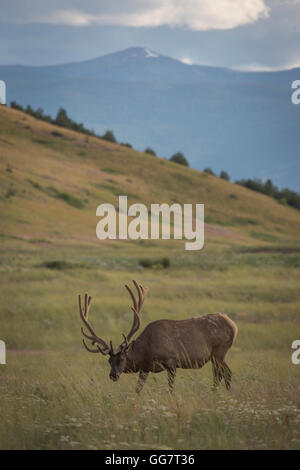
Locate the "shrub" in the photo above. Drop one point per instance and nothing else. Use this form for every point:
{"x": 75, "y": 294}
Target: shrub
{"x": 126, "y": 144}
{"x": 35, "y": 184}
{"x": 109, "y": 136}
{"x": 166, "y": 262}
{"x": 155, "y": 263}
{"x": 62, "y": 118}
{"x": 224, "y": 175}
{"x": 56, "y": 134}
{"x": 284, "y": 196}
{"x": 179, "y": 158}
{"x": 150, "y": 151}
{"x": 10, "y": 192}
{"x": 146, "y": 263}
{"x": 69, "y": 199}
{"x": 17, "y": 106}
{"x": 209, "y": 171}
{"x": 56, "y": 264}
{"x": 283, "y": 201}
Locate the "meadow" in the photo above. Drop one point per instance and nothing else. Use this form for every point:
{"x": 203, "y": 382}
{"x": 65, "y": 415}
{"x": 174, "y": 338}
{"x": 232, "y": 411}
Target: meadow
{"x": 54, "y": 394}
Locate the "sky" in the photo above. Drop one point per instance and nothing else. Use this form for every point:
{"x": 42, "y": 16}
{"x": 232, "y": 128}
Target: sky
{"x": 241, "y": 34}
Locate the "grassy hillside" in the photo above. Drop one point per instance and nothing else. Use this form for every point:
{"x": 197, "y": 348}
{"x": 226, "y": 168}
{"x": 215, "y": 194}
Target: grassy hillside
{"x": 51, "y": 181}
{"x": 39, "y": 161}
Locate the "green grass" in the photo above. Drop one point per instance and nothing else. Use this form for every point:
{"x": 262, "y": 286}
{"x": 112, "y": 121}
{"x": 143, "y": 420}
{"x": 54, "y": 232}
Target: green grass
{"x": 68, "y": 198}
{"x": 111, "y": 171}
{"x": 57, "y": 264}
{"x": 53, "y": 192}
{"x": 54, "y": 394}
{"x": 110, "y": 416}
{"x": 155, "y": 263}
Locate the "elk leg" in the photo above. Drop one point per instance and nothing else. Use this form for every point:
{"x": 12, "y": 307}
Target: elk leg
{"x": 141, "y": 381}
{"x": 171, "y": 378}
{"x": 221, "y": 371}
{"x": 227, "y": 375}
{"x": 217, "y": 372}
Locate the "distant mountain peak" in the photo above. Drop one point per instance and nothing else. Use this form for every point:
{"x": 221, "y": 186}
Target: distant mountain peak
{"x": 142, "y": 52}
{"x": 149, "y": 53}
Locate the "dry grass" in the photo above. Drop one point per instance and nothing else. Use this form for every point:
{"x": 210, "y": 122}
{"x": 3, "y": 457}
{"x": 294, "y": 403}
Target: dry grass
{"x": 54, "y": 395}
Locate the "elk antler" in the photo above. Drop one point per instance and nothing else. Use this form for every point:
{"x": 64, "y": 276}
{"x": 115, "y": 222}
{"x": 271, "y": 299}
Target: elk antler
{"x": 137, "y": 306}
{"x": 103, "y": 349}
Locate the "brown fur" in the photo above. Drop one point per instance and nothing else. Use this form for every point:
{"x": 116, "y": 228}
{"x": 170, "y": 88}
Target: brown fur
{"x": 188, "y": 344}
{"x": 165, "y": 344}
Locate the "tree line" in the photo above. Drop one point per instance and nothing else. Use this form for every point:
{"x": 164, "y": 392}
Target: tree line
{"x": 283, "y": 196}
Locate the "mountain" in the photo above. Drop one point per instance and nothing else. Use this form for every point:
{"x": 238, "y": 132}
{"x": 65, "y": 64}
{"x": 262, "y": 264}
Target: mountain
{"x": 242, "y": 122}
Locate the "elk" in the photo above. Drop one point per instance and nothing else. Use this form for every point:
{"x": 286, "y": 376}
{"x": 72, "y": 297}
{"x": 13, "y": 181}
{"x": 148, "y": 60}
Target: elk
{"x": 165, "y": 344}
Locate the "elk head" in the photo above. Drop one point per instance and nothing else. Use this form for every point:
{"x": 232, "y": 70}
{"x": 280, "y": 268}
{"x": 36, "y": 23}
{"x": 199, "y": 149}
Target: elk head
{"x": 118, "y": 357}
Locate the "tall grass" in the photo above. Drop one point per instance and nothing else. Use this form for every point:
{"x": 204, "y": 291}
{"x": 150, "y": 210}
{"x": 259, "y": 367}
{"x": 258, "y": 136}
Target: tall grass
{"x": 66, "y": 401}
{"x": 55, "y": 395}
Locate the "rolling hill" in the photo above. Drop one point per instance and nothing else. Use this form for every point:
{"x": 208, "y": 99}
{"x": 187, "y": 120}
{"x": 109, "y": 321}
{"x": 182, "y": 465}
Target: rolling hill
{"x": 55, "y": 395}
{"x": 241, "y": 122}
{"x": 52, "y": 180}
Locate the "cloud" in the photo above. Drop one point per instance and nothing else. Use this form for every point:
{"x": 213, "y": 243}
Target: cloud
{"x": 264, "y": 68}
{"x": 186, "y": 60}
{"x": 197, "y": 15}
{"x": 255, "y": 68}
{"x": 67, "y": 17}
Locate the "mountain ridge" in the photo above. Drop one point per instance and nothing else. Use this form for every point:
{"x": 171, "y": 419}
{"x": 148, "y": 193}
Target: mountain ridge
{"x": 140, "y": 53}
{"x": 241, "y": 122}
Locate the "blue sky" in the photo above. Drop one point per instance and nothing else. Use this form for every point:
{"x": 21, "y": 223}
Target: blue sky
{"x": 244, "y": 34}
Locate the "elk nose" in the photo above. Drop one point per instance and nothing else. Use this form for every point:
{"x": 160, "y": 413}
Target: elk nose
{"x": 113, "y": 377}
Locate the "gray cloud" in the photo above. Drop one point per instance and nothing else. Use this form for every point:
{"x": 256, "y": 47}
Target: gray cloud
{"x": 198, "y": 15}
{"x": 256, "y": 35}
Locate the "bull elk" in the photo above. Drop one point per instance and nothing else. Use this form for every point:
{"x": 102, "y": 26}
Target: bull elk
{"x": 165, "y": 344}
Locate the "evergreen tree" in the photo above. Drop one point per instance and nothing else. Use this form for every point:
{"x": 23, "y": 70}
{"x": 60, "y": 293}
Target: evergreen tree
{"x": 109, "y": 135}
{"x": 224, "y": 175}
{"x": 179, "y": 158}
